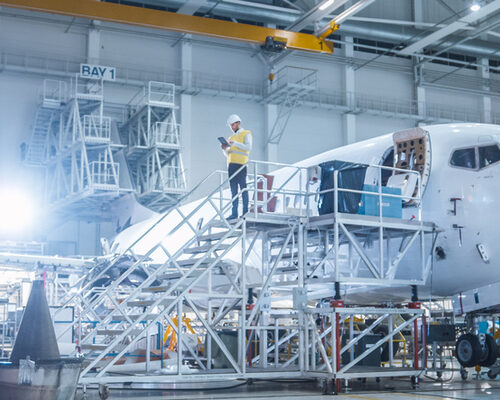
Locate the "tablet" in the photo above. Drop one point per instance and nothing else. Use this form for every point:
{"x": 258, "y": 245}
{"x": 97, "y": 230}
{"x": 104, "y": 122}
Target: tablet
{"x": 223, "y": 141}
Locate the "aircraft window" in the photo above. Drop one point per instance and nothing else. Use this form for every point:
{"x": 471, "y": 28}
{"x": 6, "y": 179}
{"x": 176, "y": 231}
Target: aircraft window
{"x": 488, "y": 155}
{"x": 464, "y": 158}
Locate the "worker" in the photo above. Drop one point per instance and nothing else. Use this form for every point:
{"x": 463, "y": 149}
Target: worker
{"x": 237, "y": 153}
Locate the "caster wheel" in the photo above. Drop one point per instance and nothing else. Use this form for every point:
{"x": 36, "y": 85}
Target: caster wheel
{"x": 377, "y": 380}
{"x": 439, "y": 374}
{"x": 492, "y": 374}
{"x": 324, "y": 387}
{"x": 103, "y": 392}
{"x": 464, "y": 375}
{"x": 250, "y": 381}
{"x": 414, "y": 382}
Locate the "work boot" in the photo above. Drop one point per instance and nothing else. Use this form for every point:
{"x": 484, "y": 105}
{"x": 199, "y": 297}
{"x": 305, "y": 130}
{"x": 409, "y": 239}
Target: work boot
{"x": 232, "y": 217}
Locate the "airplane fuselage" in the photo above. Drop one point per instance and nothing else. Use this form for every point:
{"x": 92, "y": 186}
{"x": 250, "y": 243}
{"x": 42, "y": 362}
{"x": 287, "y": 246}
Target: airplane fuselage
{"x": 460, "y": 199}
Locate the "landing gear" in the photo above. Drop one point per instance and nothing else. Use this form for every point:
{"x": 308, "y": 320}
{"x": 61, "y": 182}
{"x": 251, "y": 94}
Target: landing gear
{"x": 492, "y": 374}
{"x": 468, "y": 350}
{"x": 489, "y": 355}
{"x": 476, "y": 350}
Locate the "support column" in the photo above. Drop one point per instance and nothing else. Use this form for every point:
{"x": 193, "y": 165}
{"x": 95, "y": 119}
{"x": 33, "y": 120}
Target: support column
{"x": 419, "y": 95}
{"x": 94, "y": 43}
{"x": 350, "y": 90}
{"x": 186, "y": 114}
{"x": 485, "y": 100}
{"x": 271, "y": 112}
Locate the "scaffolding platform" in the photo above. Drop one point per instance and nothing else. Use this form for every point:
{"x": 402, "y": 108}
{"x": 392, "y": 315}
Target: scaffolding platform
{"x": 153, "y": 153}
{"x": 248, "y": 290}
{"x": 72, "y": 143}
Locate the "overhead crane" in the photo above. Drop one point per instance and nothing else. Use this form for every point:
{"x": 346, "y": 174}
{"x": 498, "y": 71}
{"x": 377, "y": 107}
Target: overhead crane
{"x": 149, "y": 18}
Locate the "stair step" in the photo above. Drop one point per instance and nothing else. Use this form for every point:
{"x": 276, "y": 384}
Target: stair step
{"x": 93, "y": 346}
{"x": 119, "y": 317}
{"x": 204, "y": 248}
{"x": 192, "y": 261}
{"x": 146, "y": 303}
{"x": 217, "y": 236}
{"x": 117, "y": 332}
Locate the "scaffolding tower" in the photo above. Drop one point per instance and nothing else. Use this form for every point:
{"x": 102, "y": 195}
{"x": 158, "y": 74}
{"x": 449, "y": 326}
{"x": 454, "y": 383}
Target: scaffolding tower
{"x": 152, "y": 135}
{"x": 72, "y": 141}
{"x": 253, "y": 295}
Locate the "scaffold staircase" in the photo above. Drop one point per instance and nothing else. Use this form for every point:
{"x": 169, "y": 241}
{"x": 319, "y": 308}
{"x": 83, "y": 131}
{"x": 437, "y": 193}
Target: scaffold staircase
{"x": 193, "y": 261}
{"x": 38, "y": 146}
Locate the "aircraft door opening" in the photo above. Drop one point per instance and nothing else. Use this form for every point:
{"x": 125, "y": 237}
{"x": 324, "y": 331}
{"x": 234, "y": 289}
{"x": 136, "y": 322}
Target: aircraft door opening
{"x": 412, "y": 152}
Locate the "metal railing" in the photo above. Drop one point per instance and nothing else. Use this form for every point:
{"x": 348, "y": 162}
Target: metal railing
{"x": 166, "y": 133}
{"x": 86, "y": 88}
{"x": 104, "y": 174}
{"x": 161, "y": 94}
{"x": 209, "y": 83}
{"x": 290, "y": 75}
{"x": 96, "y": 128}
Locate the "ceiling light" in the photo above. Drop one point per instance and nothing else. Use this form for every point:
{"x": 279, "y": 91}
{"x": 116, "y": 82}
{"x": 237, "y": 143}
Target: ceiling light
{"x": 475, "y": 7}
{"x": 326, "y": 4}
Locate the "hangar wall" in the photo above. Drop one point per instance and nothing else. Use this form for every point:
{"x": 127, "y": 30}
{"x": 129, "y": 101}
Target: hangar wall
{"x": 157, "y": 55}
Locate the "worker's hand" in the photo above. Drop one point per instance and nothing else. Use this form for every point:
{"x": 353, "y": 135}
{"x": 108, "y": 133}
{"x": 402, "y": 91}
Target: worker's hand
{"x": 223, "y": 146}
{"x": 231, "y": 142}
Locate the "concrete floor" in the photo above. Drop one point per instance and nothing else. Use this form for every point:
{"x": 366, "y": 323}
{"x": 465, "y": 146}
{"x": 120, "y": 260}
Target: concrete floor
{"x": 387, "y": 389}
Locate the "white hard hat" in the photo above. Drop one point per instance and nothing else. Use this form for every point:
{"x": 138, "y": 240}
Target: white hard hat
{"x": 232, "y": 119}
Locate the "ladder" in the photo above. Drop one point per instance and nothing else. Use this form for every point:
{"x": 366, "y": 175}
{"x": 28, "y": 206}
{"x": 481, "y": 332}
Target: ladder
{"x": 38, "y": 152}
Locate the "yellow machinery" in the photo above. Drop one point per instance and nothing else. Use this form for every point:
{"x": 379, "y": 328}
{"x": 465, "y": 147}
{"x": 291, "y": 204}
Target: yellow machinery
{"x": 170, "y": 333}
{"x": 189, "y": 24}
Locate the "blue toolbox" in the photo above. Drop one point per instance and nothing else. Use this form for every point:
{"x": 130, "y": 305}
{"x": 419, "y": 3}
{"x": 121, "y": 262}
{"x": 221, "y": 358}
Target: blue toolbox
{"x": 391, "y": 206}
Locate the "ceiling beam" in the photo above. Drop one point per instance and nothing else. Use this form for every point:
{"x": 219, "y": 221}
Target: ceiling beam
{"x": 460, "y": 24}
{"x": 344, "y": 15}
{"x": 165, "y": 20}
{"x": 191, "y": 6}
{"x": 318, "y": 12}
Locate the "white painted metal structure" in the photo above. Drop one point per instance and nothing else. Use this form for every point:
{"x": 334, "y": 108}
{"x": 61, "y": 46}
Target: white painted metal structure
{"x": 198, "y": 263}
{"x": 72, "y": 141}
{"x": 152, "y": 135}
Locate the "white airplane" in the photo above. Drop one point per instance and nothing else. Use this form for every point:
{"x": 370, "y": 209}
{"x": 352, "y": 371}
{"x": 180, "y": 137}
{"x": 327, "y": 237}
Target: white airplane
{"x": 461, "y": 183}
{"x": 459, "y": 166}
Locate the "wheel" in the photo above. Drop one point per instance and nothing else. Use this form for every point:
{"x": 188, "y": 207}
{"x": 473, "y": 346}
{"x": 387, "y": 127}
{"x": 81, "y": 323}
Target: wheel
{"x": 492, "y": 374}
{"x": 414, "y": 382}
{"x": 464, "y": 374}
{"x": 103, "y": 392}
{"x": 324, "y": 387}
{"x": 383, "y": 330}
{"x": 468, "y": 350}
{"x": 490, "y": 354}
{"x": 439, "y": 374}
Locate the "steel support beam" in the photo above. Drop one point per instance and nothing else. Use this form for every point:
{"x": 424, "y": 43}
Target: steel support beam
{"x": 460, "y": 24}
{"x": 350, "y": 90}
{"x": 150, "y": 18}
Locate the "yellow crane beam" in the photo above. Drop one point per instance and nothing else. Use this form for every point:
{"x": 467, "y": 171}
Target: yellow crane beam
{"x": 149, "y": 18}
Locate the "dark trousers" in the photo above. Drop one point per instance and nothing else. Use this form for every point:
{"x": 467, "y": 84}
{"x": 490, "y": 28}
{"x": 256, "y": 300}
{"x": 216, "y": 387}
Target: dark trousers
{"x": 240, "y": 179}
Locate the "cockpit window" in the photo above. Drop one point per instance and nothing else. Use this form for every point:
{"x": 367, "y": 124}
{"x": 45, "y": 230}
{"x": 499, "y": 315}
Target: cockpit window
{"x": 488, "y": 155}
{"x": 464, "y": 158}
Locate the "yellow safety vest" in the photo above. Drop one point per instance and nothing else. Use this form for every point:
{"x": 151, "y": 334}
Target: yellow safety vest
{"x": 235, "y": 154}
